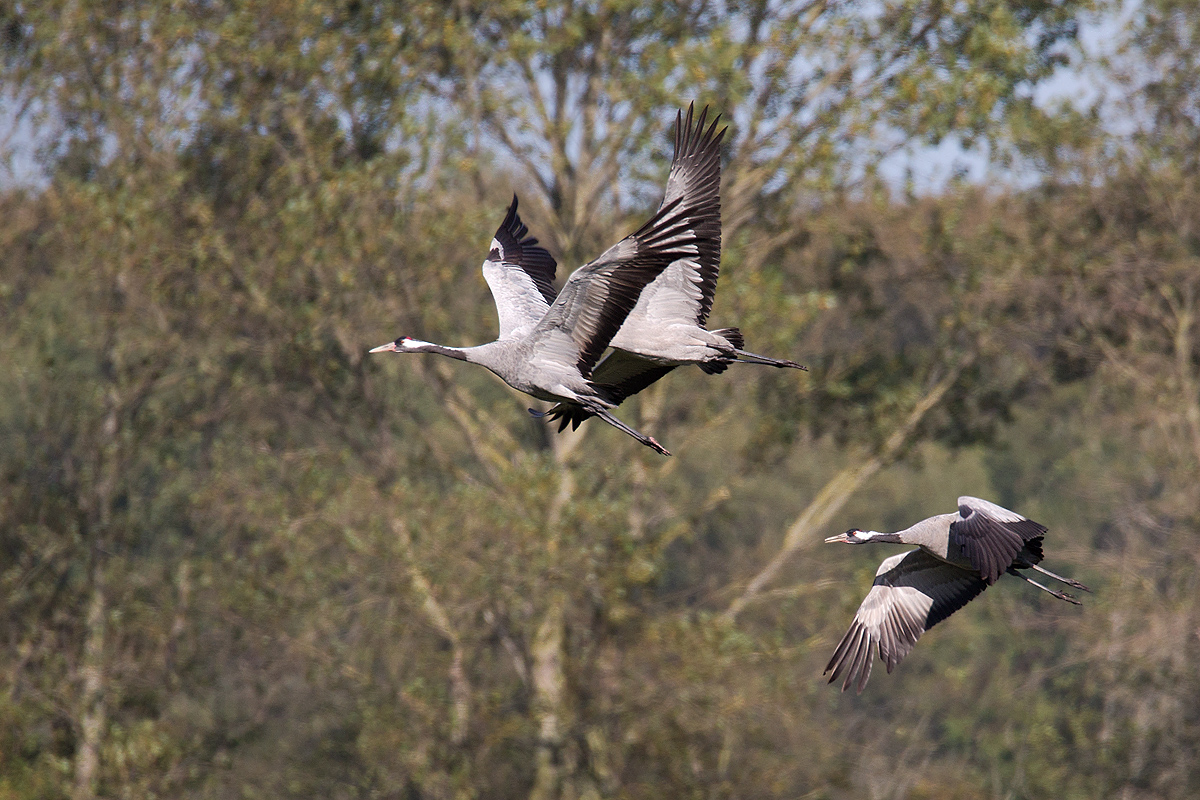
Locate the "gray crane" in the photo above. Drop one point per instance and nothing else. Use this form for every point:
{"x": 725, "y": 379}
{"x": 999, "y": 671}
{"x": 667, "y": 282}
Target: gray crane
{"x": 666, "y": 329}
{"x": 959, "y": 555}
{"x": 549, "y": 344}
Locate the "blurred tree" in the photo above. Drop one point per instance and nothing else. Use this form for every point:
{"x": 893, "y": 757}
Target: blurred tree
{"x": 243, "y": 559}
{"x": 577, "y": 95}
{"x": 1132, "y": 292}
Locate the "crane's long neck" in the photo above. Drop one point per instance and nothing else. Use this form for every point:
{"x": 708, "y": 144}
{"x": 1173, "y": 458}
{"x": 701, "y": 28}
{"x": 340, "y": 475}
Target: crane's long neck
{"x": 930, "y": 533}
{"x": 880, "y": 536}
{"x": 417, "y": 346}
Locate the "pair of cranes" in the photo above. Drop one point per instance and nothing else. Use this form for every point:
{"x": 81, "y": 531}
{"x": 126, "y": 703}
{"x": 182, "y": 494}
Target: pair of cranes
{"x": 648, "y": 298}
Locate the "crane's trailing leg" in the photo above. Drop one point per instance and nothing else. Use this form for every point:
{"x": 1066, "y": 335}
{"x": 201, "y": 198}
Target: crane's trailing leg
{"x": 1051, "y": 592}
{"x": 649, "y": 441}
{"x": 1072, "y": 583}
{"x": 753, "y": 358}
{"x": 621, "y": 426}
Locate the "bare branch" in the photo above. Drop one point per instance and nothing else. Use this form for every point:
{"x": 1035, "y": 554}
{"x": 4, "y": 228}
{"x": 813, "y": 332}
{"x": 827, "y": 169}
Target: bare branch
{"x": 838, "y": 490}
{"x": 1184, "y": 320}
{"x": 460, "y": 688}
{"x": 549, "y": 688}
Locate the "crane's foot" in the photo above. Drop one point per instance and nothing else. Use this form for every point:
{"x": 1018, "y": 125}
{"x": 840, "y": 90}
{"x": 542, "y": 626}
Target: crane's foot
{"x": 1070, "y": 598}
{"x": 621, "y": 426}
{"x": 655, "y": 446}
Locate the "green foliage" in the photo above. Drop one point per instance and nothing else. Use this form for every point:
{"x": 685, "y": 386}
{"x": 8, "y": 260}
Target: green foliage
{"x": 242, "y": 558}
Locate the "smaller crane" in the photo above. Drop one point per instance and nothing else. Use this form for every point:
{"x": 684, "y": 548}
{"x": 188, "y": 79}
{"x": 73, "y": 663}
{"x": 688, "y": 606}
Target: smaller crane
{"x": 666, "y": 328}
{"x": 959, "y": 555}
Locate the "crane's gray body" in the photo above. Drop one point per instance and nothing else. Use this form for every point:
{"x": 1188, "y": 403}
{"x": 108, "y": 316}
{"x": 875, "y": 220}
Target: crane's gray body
{"x": 933, "y": 536}
{"x": 663, "y": 327}
{"x": 982, "y": 537}
{"x": 530, "y": 366}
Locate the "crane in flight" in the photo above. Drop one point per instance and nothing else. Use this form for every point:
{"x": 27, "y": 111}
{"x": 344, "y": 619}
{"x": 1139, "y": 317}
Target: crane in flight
{"x": 958, "y": 556}
{"x": 666, "y": 328}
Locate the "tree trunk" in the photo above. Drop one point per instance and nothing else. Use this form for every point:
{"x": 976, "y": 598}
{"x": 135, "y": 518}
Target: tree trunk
{"x": 1184, "y": 319}
{"x": 549, "y": 686}
{"x": 460, "y": 687}
{"x": 548, "y": 675}
{"x": 92, "y": 711}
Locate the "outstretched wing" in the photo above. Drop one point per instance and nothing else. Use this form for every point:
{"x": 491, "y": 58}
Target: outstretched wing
{"x": 520, "y": 275}
{"x": 598, "y": 296}
{"x": 696, "y": 174}
{"x": 912, "y": 592}
{"x": 683, "y": 293}
{"x": 991, "y": 536}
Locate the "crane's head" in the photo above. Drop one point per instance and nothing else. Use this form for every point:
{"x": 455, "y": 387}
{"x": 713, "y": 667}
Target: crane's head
{"x": 852, "y": 536}
{"x": 401, "y": 345}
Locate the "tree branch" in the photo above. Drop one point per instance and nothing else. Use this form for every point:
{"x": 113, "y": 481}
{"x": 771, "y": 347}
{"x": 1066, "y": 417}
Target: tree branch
{"x": 1184, "y": 319}
{"x": 460, "y": 688}
{"x": 838, "y": 490}
{"x": 549, "y": 687}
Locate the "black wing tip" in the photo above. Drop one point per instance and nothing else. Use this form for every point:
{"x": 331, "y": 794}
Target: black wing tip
{"x": 692, "y": 139}
{"x": 566, "y": 414}
{"x": 716, "y": 366}
{"x": 511, "y": 229}
{"x": 853, "y": 656}
{"x": 732, "y": 335}
{"x": 686, "y": 123}
{"x": 525, "y": 252}
{"x": 511, "y": 221}
{"x": 516, "y": 229}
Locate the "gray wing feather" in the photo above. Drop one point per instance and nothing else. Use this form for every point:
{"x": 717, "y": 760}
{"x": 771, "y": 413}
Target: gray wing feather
{"x": 598, "y": 296}
{"x": 676, "y": 296}
{"x": 912, "y": 592}
{"x": 696, "y": 175}
{"x": 520, "y": 275}
{"x": 991, "y": 536}
{"x": 996, "y": 512}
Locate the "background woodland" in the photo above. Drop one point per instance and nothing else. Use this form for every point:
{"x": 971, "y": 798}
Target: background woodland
{"x": 238, "y": 558}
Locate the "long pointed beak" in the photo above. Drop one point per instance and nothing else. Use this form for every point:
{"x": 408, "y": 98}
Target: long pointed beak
{"x": 841, "y": 537}
{"x": 390, "y": 347}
